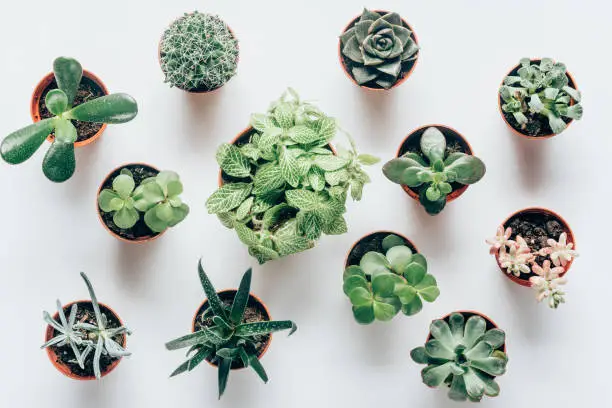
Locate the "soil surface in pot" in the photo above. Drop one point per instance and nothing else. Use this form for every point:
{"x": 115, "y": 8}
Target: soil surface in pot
{"x": 372, "y": 242}
{"x": 454, "y": 143}
{"x": 537, "y": 125}
{"x": 88, "y": 90}
{"x": 536, "y": 228}
{"x": 255, "y": 312}
{"x": 140, "y": 229}
{"x": 348, "y": 64}
{"x": 85, "y": 314}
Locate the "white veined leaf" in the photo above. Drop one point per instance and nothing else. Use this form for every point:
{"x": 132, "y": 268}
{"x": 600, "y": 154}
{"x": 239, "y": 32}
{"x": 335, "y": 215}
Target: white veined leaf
{"x": 268, "y": 177}
{"x": 289, "y": 168}
{"x": 234, "y": 163}
{"x": 283, "y": 114}
{"x": 303, "y": 134}
{"x": 309, "y": 224}
{"x": 228, "y": 197}
{"x": 316, "y": 178}
{"x": 330, "y": 163}
{"x": 303, "y": 199}
{"x": 244, "y": 209}
{"x": 336, "y": 227}
{"x": 246, "y": 235}
{"x": 337, "y": 177}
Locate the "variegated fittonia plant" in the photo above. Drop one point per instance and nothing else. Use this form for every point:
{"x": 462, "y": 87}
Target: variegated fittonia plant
{"x": 378, "y": 47}
{"x": 464, "y": 356}
{"x": 59, "y": 162}
{"x": 434, "y": 170}
{"x": 285, "y": 186}
{"x": 229, "y": 338}
{"x": 384, "y": 284}
{"x": 156, "y": 198}
{"x": 540, "y": 92}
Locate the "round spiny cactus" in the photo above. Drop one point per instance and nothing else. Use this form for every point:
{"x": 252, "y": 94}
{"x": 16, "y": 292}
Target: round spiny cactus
{"x": 198, "y": 52}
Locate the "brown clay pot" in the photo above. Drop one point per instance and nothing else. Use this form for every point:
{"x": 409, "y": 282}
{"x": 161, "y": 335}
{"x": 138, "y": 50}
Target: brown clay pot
{"x": 40, "y": 89}
{"x": 110, "y": 175}
{"x": 345, "y": 67}
{"x": 378, "y": 235}
{"x": 570, "y": 238}
{"x": 64, "y": 368}
{"x": 501, "y": 112}
{"x": 231, "y": 293}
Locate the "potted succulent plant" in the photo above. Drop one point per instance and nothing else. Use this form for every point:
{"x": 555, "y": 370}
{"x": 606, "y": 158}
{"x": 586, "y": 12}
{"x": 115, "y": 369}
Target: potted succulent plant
{"x": 384, "y": 273}
{"x": 85, "y": 340}
{"x": 282, "y": 185}
{"x": 434, "y": 165}
{"x": 378, "y": 50}
{"x": 70, "y": 114}
{"x": 535, "y": 247}
{"x": 232, "y": 329}
{"x": 137, "y": 202}
{"x": 538, "y": 98}
{"x": 465, "y": 351}
{"x": 198, "y": 53}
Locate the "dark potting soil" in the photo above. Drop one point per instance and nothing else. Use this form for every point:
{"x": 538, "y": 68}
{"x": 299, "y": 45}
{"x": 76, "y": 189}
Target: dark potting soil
{"x": 372, "y": 242}
{"x": 255, "y": 312}
{"x": 85, "y": 314}
{"x": 454, "y": 143}
{"x": 536, "y": 125}
{"x": 140, "y": 230}
{"x": 348, "y": 64}
{"x": 88, "y": 90}
{"x": 536, "y": 228}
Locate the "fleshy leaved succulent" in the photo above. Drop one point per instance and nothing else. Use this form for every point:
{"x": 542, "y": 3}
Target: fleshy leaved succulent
{"x": 384, "y": 284}
{"x": 464, "y": 355}
{"x": 59, "y": 162}
{"x": 285, "y": 186}
{"x": 435, "y": 171}
{"x": 378, "y": 46}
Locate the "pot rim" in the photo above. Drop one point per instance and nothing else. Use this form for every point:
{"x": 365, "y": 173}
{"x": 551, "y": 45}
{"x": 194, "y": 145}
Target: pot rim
{"x": 377, "y": 232}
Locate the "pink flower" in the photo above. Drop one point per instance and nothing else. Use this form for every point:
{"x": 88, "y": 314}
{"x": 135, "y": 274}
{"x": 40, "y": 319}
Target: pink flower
{"x": 500, "y": 240}
{"x": 560, "y": 252}
{"x": 547, "y": 283}
{"x": 517, "y": 260}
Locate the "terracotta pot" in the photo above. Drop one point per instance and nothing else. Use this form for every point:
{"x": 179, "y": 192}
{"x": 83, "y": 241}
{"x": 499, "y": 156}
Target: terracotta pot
{"x": 570, "y": 238}
{"x": 418, "y": 132}
{"x": 42, "y": 86}
{"x": 65, "y": 369}
{"x": 345, "y": 67}
{"x": 408, "y": 242}
{"x": 143, "y": 239}
{"x": 518, "y": 132}
{"x": 232, "y": 293}
{"x": 196, "y": 91}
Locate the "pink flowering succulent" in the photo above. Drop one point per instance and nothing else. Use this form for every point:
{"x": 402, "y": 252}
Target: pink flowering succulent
{"x": 561, "y": 253}
{"x": 517, "y": 260}
{"x": 500, "y": 240}
{"x": 547, "y": 283}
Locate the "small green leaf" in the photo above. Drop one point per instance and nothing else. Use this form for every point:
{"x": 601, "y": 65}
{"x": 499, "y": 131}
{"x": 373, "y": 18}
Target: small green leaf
{"x": 405, "y": 293}
{"x": 283, "y": 114}
{"x": 394, "y": 169}
{"x": 414, "y": 273}
{"x": 316, "y": 178}
{"x": 65, "y": 132}
{"x": 391, "y": 241}
{"x": 336, "y": 227}
{"x": 419, "y": 355}
{"x": 164, "y": 212}
{"x": 354, "y": 281}
{"x": 303, "y": 134}
{"x": 474, "y": 328}
{"x": 433, "y": 375}
{"x": 367, "y": 159}
{"x": 105, "y": 198}
{"x": 268, "y": 177}
{"x": 399, "y": 257}
{"x": 246, "y": 235}
{"x": 234, "y": 163}
{"x": 56, "y": 101}
{"x": 244, "y": 209}
{"x": 430, "y": 294}
{"x": 68, "y": 73}
{"x": 433, "y": 144}
{"x": 353, "y": 270}
{"x": 309, "y": 224}
{"x": 495, "y": 337}
{"x": 364, "y": 314}
{"x": 152, "y": 192}
{"x": 330, "y": 162}
{"x": 59, "y": 162}
{"x": 20, "y": 145}
{"x": 113, "y": 109}
{"x": 412, "y": 308}
{"x": 436, "y": 349}
{"x": 292, "y": 244}
{"x": 289, "y": 168}
{"x": 360, "y": 297}
{"x": 373, "y": 262}
{"x": 125, "y": 218}
{"x": 383, "y": 284}
{"x": 228, "y": 197}
{"x": 383, "y": 311}
{"x": 123, "y": 185}
{"x": 153, "y": 221}
{"x": 303, "y": 199}
{"x": 468, "y": 169}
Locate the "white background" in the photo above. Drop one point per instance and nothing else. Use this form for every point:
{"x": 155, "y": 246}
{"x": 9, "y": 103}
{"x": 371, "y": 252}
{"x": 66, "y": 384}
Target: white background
{"x": 51, "y": 232}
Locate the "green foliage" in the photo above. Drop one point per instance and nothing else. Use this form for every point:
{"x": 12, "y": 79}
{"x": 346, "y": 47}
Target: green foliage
{"x": 156, "y": 197}
{"x": 384, "y": 284}
{"x": 287, "y": 187}
{"x": 198, "y": 51}
{"x": 464, "y": 356}
{"x": 378, "y": 46}
{"x": 435, "y": 171}
{"x": 59, "y": 162}
{"x": 541, "y": 91}
{"x": 228, "y": 337}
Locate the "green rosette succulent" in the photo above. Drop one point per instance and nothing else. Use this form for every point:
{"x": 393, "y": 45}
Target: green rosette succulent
{"x": 378, "y": 47}
{"x": 384, "y": 284}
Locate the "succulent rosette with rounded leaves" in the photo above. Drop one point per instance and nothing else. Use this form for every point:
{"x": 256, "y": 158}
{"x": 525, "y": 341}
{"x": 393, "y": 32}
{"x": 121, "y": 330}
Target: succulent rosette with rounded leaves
{"x": 378, "y": 45}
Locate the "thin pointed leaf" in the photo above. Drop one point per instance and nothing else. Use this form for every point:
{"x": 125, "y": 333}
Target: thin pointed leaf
{"x": 94, "y": 301}
{"x": 259, "y": 328}
{"x": 224, "y": 370}
{"x": 258, "y": 368}
{"x": 241, "y": 298}
{"x": 213, "y": 298}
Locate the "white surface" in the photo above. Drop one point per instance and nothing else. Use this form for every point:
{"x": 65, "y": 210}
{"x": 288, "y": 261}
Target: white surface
{"x": 51, "y": 232}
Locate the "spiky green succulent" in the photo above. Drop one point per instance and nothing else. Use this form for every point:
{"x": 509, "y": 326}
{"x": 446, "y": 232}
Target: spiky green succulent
{"x": 229, "y": 338}
{"x": 378, "y": 46}
{"x": 384, "y": 284}
{"x": 463, "y": 355}
{"x": 434, "y": 171}
{"x": 198, "y": 52}
{"x": 541, "y": 92}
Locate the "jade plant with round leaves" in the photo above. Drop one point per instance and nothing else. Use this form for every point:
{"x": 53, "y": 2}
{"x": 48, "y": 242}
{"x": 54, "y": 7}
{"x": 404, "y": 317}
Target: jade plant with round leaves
{"x": 464, "y": 355}
{"x": 156, "y": 197}
{"x": 384, "y": 284}
{"x": 437, "y": 169}
{"x": 59, "y": 162}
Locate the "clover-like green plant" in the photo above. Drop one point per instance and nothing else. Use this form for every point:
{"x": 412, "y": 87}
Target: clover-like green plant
{"x": 464, "y": 355}
{"x": 59, "y": 162}
{"x": 434, "y": 170}
{"x": 229, "y": 337}
{"x": 541, "y": 91}
{"x": 198, "y": 52}
{"x": 377, "y": 47}
{"x": 285, "y": 186}
{"x": 156, "y": 197}
{"x": 384, "y": 284}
